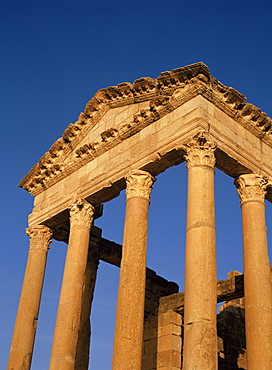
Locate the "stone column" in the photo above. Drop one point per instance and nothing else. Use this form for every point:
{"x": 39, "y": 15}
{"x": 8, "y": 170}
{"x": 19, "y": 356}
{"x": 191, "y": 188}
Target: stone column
{"x": 200, "y": 339}
{"x": 83, "y": 345}
{"x": 29, "y": 305}
{"x": 257, "y": 279}
{"x": 68, "y": 320}
{"x": 131, "y": 294}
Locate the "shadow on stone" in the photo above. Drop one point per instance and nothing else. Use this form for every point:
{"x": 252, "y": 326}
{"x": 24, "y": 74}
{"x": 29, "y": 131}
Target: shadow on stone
{"x": 231, "y": 336}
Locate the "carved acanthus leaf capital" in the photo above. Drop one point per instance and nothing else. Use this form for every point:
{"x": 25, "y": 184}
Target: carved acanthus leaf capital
{"x": 40, "y": 237}
{"x": 139, "y": 184}
{"x": 200, "y": 151}
{"x": 81, "y": 213}
{"x": 251, "y": 187}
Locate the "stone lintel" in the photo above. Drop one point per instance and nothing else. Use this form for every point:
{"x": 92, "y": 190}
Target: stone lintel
{"x": 58, "y": 215}
{"x": 227, "y": 290}
{"x": 154, "y": 149}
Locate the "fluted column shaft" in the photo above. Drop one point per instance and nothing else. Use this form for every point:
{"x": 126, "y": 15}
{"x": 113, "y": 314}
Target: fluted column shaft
{"x": 131, "y": 294}
{"x": 29, "y": 305}
{"x": 200, "y": 340}
{"x": 72, "y": 291}
{"x": 257, "y": 279}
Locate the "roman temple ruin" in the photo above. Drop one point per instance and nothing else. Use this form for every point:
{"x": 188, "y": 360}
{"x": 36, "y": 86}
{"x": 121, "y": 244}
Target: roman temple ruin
{"x": 126, "y": 136}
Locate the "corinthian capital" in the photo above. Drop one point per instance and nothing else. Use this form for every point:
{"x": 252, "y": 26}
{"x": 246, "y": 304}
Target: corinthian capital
{"x": 40, "y": 237}
{"x": 139, "y": 184}
{"x": 81, "y": 213}
{"x": 200, "y": 151}
{"x": 251, "y": 187}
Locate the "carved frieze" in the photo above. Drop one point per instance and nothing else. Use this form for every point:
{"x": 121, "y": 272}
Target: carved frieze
{"x": 40, "y": 237}
{"x": 180, "y": 77}
{"x": 139, "y": 184}
{"x": 109, "y": 134}
{"x": 86, "y": 149}
{"x": 117, "y": 93}
{"x": 200, "y": 151}
{"x": 81, "y": 213}
{"x": 170, "y": 90}
{"x": 57, "y": 148}
{"x": 95, "y": 104}
{"x": 145, "y": 85}
{"x": 251, "y": 187}
{"x": 125, "y": 90}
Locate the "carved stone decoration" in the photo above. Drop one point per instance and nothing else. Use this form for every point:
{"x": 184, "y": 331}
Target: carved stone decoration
{"x": 251, "y": 187}
{"x": 40, "y": 237}
{"x": 139, "y": 184}
{"x": 200, "y": 151}
{"x": 109, "y": 134}
{"x": 165, "y": 93}
{"x": 145, "y": 85}
{"x": 86, "y": 149}
{"x": 81, "y": 213}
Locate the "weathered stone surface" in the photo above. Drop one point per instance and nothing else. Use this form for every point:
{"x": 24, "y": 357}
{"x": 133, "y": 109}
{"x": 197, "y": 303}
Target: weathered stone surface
{"x": 257, "y": 278}
{"x": 73, "y": 291}
{"x": 166, "y": 327}
{"x": 29, "y": 305}
{"x": 147, "y": 127}
{"x": 164, "y": 94}
{"x": 95, "y": 146}
{"x": 200, "y": 264}
{"x": 131, "y": 293}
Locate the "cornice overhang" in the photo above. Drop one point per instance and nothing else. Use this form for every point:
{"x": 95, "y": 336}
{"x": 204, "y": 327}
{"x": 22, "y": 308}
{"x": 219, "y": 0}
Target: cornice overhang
{"x": 165, "y": 93}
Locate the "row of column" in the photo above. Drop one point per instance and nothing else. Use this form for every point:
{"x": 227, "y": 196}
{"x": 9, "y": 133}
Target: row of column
{"x": 200, "y": 338}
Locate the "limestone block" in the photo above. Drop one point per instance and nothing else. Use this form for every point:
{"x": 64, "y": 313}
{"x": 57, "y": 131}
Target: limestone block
{"x": 102, "y": 159}
{"x": 109, "y": 123}
{"x": 91, "y": 166}
{"x": 185, "y": 108}
{"x": 110, "y": 114}
{"x": 169, "y": 329}
{"x": 168, "y": 132}
{"x": 146, "y": 132}
{"x": 167, "y": 342}
{"x": 151, "y": 322}
{"x": 143, "y": 147}
{"x": 163, "y": 122}
{"x": 121, "y": 116}
{"x": 220, "y": 115}
{"x": 148, "y": 305}
{"x": 198, "y": 113}
{"x": 150, "y": 346}
{"x": 149, "y": 333}
{"x": 132, "y": 109}
{"x": 168, "y": 358}
{"x": 149, "y": 362}
{"x": 169, "y": 317}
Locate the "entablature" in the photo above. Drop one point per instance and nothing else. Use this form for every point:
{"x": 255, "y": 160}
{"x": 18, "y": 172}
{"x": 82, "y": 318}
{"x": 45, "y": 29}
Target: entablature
{"x": 163, "y": 96}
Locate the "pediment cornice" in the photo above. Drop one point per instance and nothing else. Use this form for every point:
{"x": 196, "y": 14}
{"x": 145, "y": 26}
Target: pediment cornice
{"x": 165, "y": 93}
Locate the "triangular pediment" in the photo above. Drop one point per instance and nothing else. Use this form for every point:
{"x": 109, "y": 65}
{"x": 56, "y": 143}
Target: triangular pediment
{"x": 117, "y": 113}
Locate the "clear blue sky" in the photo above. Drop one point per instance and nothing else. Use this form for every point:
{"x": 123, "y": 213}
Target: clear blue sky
{"x": 54, "y": 56}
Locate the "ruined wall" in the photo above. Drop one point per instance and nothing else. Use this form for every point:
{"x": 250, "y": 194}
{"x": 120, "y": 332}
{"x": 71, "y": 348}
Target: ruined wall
{"x": 163, "y": 330}
{"x": 231, "y": 336}
{"x": 155, "y": 350}
{"x": 163, "y": 326}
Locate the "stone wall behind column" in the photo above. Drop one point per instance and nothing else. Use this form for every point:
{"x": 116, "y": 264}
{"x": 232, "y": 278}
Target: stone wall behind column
{"x": 231, "y": 336}
{"x": 156, "y": 287}
{"x": 163, "y": 330}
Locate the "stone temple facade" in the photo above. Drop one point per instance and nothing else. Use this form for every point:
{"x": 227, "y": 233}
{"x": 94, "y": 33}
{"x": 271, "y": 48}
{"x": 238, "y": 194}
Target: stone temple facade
{"x": 126, "y": 136}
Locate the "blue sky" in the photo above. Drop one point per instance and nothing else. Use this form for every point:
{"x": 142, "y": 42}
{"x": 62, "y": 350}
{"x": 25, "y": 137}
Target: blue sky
{"x": 54, "y": 56}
